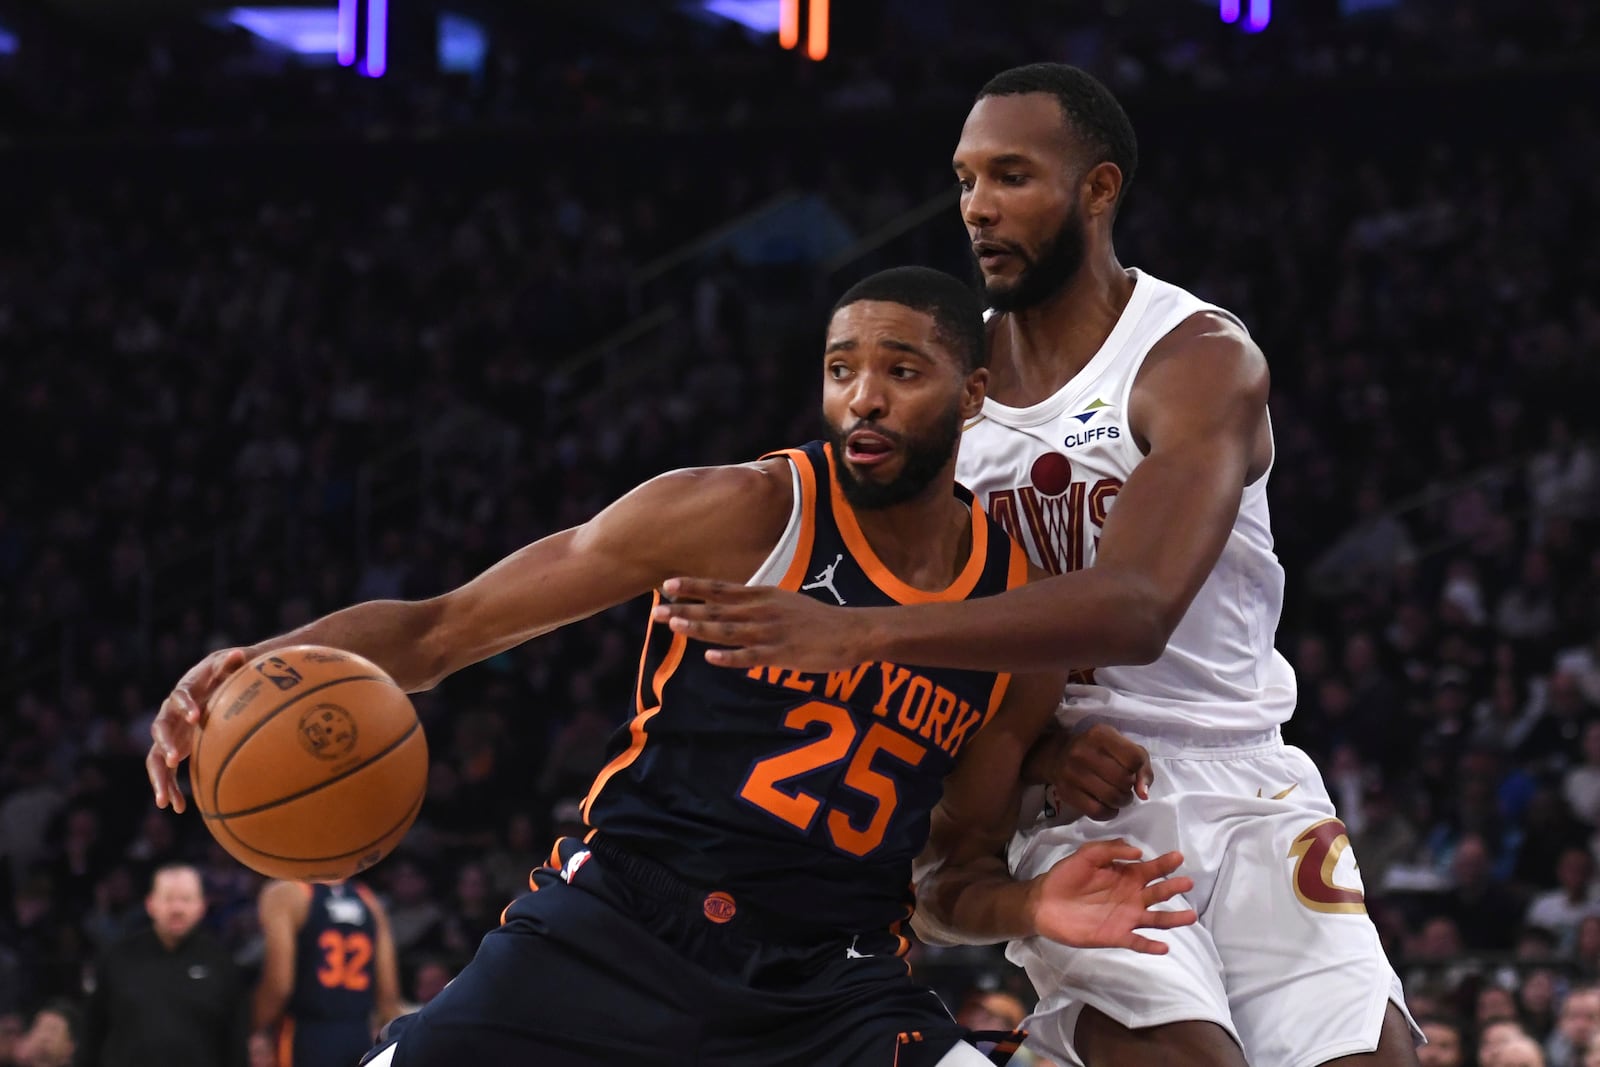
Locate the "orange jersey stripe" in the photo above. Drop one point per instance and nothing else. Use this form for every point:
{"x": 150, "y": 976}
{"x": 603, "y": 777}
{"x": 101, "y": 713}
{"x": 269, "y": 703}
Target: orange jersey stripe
{"x": 1002, "y": 682}
{"x": 1016, "y": 575}
{"x": 286, "y": 1042}
{"x": 850, "y": 531}
{"x": 669, "y": 664}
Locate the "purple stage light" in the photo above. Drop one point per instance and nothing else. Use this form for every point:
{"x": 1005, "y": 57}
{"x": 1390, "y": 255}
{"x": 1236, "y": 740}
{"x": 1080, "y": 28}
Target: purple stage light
{"x": 463, "y": 44}
{"x": 758, "y": 16}
{"x": 377, "y": 39}
{"x": 306, "y": 31}
{"x": 1229, "y": 10}
{"x": 1260, "y": 14}
{"x": 347, "y": 32}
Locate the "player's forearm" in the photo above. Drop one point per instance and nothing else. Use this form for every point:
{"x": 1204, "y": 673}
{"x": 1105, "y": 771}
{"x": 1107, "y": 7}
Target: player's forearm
{"x": 1087, "y": 618}
{"x": 978, "y": 904}
{"x": 394, "y": 634}
{"x": 267, "y": 1007}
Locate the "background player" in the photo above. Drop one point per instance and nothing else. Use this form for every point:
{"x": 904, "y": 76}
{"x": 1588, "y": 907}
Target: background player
{"x": 1126, "y": 427}
{"x": 329, "y": 976}
{"x": 740, "y": 897}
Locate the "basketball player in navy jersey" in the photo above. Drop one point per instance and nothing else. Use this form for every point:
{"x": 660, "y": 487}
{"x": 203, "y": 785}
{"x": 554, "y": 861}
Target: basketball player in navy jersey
{"x": 1125, "y": 441}
{"x": 739, "y": 897}
{"x": 329, "y": 976}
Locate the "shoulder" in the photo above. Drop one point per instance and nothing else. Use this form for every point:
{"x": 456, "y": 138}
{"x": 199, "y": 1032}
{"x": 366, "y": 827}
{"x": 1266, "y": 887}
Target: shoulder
{"x": 1208, "y": 368}
{"x": 758, "y": 493}
{"x": 1207, "y": 343}
{"x": 762, "y": 484}
{"x": 688, "y": 519}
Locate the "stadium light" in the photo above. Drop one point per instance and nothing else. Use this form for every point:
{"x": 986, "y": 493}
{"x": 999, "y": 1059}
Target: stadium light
{"x": 347, "y": 32}
{"x": 305, "y": 31}
{"x": 816, "y": 29}
{"x": 817, "y": 33}
{"x": 1256, "y": 16}
{"x": 789, "y": 23}
{"x": 463, "y": 44}
{"x": 323, "y": 31}
{"x": 377, "y": 60}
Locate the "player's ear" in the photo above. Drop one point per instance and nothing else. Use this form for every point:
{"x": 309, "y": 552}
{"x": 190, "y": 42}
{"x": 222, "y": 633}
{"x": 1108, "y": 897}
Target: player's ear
{"x": 1100, "y": 188}
{"x": 973, "y": 392}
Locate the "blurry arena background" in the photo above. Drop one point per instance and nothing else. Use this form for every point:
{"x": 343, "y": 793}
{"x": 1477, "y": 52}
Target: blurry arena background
{"x": 314, "y": 303}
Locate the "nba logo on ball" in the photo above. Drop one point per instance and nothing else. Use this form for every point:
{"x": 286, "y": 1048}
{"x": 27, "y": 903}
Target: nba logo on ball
{"x": 328, "y": 731}
{"x": 279, "y": 673}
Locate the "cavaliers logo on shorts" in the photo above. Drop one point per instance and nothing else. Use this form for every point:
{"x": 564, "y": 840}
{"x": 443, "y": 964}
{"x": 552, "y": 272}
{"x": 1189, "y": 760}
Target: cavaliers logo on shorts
{"x": 1319, "y": 850}
{"x": 719, "y": 907}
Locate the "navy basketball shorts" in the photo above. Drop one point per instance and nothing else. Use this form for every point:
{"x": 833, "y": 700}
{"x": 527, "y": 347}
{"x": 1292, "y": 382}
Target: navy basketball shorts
{"x": 320, "y": 1043}
{"x": 611, "y": 960}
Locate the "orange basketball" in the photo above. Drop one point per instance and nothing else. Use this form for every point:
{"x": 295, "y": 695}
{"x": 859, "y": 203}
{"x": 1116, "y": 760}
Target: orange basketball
{"x": 310, "y": 764}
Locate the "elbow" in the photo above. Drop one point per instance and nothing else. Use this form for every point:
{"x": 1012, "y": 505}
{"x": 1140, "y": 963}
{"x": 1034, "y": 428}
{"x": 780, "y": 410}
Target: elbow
{"x": 1146, "y": 623}
{"x": 1145, "y": 641}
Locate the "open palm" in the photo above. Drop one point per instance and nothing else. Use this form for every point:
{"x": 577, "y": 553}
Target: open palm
{"x": 1098, "y": 896}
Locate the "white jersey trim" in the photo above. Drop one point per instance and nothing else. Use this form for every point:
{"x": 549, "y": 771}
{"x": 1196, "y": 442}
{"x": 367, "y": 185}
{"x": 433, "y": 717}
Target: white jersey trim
{"x": 777, "y": 563}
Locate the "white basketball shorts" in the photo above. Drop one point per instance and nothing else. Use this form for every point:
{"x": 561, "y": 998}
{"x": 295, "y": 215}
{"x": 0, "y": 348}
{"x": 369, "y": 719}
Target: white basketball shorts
{"x": 1284, "y": 957}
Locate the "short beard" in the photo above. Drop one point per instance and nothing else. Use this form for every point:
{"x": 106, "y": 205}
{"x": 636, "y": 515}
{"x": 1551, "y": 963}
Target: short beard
{"x": 925, "y": 460}
{"x": 1043, "y": 278}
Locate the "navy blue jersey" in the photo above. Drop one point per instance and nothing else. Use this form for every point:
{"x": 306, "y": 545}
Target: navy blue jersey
{"x": 334, "y": 969}
{"x": 804, "y": 796}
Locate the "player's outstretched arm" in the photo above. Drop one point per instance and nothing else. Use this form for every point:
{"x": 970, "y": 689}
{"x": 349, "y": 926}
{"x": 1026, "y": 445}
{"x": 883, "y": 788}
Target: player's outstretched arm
{"x": 715, "y": 520}
{"x": 1198, "y": 409}
{"x": 1099, "y": 897}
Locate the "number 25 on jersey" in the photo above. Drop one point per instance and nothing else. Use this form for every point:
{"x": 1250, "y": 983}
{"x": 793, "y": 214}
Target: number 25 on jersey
{"x": 837, "y": 742}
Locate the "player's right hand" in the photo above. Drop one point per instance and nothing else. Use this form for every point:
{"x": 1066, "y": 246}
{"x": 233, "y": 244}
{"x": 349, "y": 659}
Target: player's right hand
{"x": 1095, "y": 772}
{"x": 178, "y": 722}
{"x": 1102, "y": 894}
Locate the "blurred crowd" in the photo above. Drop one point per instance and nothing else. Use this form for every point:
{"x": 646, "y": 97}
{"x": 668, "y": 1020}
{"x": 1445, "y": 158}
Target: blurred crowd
{"x": 238, "y": 404}
{"x": 639, "y": 64}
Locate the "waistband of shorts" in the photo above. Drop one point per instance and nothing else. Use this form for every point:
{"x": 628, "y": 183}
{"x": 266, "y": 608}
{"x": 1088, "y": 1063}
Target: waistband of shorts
{"x": 661, "y": 882}
{"x": 1183, "y": 742}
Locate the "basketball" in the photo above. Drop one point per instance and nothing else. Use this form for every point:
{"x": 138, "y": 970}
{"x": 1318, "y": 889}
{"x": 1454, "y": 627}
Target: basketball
{"x": 310, "y": 764}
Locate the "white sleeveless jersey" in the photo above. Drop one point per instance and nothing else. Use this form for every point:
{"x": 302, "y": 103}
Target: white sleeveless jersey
{"x": 1050, "y": 474}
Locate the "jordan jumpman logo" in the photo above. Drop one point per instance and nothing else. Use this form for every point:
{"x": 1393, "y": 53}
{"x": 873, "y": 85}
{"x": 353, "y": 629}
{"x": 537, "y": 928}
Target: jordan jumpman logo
{"x": 824, "y": 580}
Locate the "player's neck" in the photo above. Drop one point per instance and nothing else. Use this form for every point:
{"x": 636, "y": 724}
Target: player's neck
{"x": 1035, "y": 351}
{"x": 926, "y": 541}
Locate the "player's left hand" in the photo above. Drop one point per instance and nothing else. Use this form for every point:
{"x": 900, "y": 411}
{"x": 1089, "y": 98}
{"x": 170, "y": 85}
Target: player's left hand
{"x": 765, "y": 626}
{"x": 1104, "y": 892}
{"x": 1094, "y": 772}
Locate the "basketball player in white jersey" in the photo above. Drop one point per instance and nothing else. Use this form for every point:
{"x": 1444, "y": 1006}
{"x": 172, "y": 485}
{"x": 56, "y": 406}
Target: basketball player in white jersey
{"x": 1125, "y": 442}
